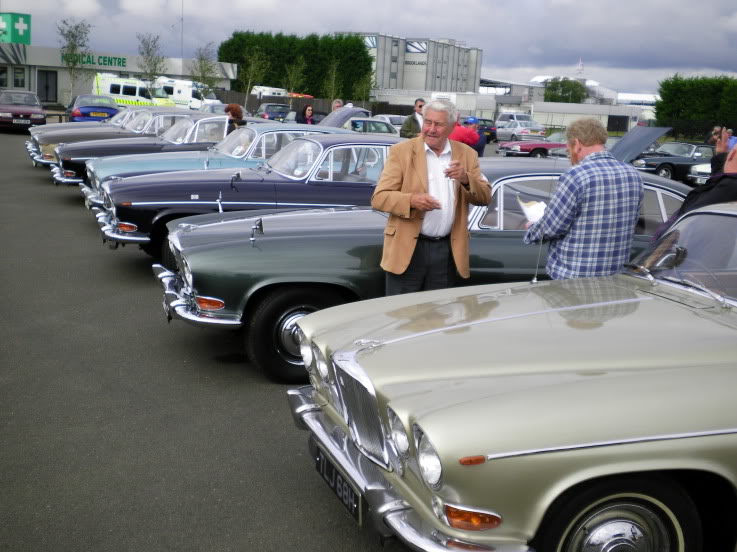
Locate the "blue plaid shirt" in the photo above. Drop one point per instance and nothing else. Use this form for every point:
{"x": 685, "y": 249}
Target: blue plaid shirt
{"x": 591, "y": 218}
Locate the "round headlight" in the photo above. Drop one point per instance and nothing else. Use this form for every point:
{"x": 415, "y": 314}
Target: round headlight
{"x": 321, "y": 363}
{"x": 515, "y": 148}
{"x": 638, "y": 163}
{"x": 429, "y": 461}
{"x": 305, "y": 349}
{"x": 399, "y": 435}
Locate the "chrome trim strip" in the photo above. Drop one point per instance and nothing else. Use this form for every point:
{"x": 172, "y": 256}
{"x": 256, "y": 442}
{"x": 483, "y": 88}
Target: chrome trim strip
{"x": 268, "y": 204}
{"x": 111, "y": 234}
{"x": 597, "y": 444}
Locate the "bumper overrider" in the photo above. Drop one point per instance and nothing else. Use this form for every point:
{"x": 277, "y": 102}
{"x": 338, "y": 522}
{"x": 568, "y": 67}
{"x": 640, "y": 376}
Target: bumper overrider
{"x": 179, "y": 302}
{"x": 389, "y": 513}
{"x": 62, "y": 176}
{"x": 110, "y": 232}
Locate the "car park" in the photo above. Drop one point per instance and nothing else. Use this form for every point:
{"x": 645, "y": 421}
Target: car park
{"x": 90, "y": 107}
{"x": 556, "y": 416}
{"x": 674, "y": 159}
{"x": 20, "y": 109}
{"x": 246, "y": 146}
{"x": 329, "y": 170}
{"x": 142, "y": 121}
{"x": 532, "y": 148}
{"x": 519, "y": 130}
{"x": 395, "y": 120}
{"x": 370, "y": 126}
{"x": 193, "y": 132}
{"x": 264, "y": 271}
{"x": 273, "y": 111}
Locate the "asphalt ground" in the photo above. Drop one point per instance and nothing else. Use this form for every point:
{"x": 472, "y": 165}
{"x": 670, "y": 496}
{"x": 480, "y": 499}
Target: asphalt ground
{"x": 119, "y": 432}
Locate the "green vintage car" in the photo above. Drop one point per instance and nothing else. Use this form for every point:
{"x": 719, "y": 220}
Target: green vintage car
{"x": 263, "y": 272}
{"x": 590, "y": 415}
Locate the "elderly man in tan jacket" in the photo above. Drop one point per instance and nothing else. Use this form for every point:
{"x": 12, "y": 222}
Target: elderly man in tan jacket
{"x": 426, "y": 187}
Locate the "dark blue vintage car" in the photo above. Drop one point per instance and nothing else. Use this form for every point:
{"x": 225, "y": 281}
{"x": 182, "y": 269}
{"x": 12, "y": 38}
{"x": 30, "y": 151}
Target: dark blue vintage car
{"x": 674, "y": 159}
{"x": 332, "y": 170}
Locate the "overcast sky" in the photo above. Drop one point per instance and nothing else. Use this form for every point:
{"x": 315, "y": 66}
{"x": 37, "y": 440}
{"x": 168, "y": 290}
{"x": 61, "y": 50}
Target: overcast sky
{"x": 625, "y": 45}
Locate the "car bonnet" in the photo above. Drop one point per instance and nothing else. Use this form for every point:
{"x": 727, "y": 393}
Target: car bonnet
{"x": 635, "y": 141}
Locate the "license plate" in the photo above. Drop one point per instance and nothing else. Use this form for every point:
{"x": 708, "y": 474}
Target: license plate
{"x": 95, "y": 114}
{"x": 21, "y": 121}
{"x": 343, "y": 489}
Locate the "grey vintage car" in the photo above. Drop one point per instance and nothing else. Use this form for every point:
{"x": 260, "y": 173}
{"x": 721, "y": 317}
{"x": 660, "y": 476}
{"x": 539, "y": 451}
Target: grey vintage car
{"x": 590, "y": 415}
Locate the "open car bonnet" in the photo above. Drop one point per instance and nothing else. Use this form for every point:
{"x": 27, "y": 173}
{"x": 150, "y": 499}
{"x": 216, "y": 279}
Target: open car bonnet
{"x": 636, "y": 141}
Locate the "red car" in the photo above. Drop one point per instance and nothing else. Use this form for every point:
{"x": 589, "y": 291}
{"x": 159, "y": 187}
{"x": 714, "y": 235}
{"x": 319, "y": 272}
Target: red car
{"x": 532, "y": 148}
{"x": 20, "y": 109}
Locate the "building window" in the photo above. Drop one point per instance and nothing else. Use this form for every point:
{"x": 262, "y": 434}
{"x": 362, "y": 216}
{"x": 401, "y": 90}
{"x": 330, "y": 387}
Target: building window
{"x": 392, "y": 75}
{"x": 394, "y": 58}
{"x": 19, "y": 77}
{"x": 3, "y": 77}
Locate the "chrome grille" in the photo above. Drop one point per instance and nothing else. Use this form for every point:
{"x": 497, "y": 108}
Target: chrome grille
{"x": 361, "y": 413}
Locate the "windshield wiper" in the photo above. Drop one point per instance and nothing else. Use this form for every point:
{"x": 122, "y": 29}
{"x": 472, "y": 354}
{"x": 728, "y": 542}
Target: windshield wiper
{"x": 644, "y": 271}
{"x": 701, "y": 287}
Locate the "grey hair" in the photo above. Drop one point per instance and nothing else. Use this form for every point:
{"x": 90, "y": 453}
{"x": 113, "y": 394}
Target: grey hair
{"x": 338, "y": 100}
{"x": 442, "y": 105}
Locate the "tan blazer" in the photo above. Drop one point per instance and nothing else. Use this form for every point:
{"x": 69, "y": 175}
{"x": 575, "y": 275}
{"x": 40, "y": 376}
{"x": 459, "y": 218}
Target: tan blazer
{"x": 405, "y": 173}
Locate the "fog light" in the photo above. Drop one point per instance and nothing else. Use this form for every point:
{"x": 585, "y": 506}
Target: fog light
{"x": 127, "y": 227}
{"x": 209, "y": 303}
{"x": 49, "y": 156}
{"x": 70, "y": 173}
{"x": 470, "y": 520}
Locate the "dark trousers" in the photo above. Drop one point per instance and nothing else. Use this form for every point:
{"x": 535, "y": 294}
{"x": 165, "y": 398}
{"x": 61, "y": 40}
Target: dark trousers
{"x": 431, "y": 267}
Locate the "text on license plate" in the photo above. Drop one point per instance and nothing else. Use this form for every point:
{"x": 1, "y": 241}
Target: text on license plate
{"x": 21, "y": 121}
{"x": 96, "y": 114}
{"x": 348, "y": 496}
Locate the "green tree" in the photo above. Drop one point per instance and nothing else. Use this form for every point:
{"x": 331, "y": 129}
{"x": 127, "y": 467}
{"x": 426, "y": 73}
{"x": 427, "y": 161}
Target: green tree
{"x": 330, "y": 85}
{"x": 74, "y": 37}
{"x": 253, "y": 69}
{"x": 362, "y": 88}
{"x": 565, "y": 91}
{"x": 151, "y": 60}
{"x": 295, "y": 75}
{"x": 205, "y": 70}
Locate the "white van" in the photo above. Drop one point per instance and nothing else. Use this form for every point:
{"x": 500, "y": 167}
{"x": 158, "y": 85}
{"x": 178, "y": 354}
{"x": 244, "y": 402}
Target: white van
{"x": 128, "y": 91}
{"x": 509, "y": 116}
{"x": 261, "y": 91}
{"x": 185, "y": 93}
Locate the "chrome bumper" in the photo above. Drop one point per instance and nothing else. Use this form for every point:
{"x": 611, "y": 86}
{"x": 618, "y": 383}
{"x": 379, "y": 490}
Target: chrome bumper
{"x": 57, "y": 174}
{"x": 179, "y": 307}
{"x": 110, "y": 234}
{"x": 92, "y": 199}
{"x": 390, "y": 515}
{"x": 39, "y": 160}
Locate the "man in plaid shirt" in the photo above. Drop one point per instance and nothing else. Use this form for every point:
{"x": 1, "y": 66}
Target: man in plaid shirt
{"x": 591, "y": 219}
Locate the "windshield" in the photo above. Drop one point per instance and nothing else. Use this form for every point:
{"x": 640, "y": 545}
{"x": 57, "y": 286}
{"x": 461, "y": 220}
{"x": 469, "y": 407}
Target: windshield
{"x": 397, "y": 119}
{"x": 674, "y": 148}
{"x": 277, "y": 109}
{"x": 19, "y": 98}
{"x": 178, "y": 131}
{"x": 237, "y": 142}
{"x": 523, "y": 117}
{"x": 138, "y": 121}
{"x": 689, "y": 251}
{"x": 119, "y": 117}
{"x": 296, "y": 159}
{"x": 557, "y": 137}
{"x": 160, "y": 93}
{"x": 96, "y": 100}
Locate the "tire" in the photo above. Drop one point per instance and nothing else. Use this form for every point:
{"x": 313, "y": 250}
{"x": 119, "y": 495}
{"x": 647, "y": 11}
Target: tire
{"x": 539, "y": 153}
{"x": 269, "y": 338}
{"x": 513, "y": 138}
{"x": 629, "y": 513}
{"x": 666, "y": 171}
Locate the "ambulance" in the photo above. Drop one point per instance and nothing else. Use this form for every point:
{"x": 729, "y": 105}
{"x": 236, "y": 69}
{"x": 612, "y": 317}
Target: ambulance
{"x": 129, "y": 91}
{"x": 185, "y": 93}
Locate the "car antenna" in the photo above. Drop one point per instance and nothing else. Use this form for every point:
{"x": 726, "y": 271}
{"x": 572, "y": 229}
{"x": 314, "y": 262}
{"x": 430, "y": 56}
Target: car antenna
{"x": 540, "y": 245}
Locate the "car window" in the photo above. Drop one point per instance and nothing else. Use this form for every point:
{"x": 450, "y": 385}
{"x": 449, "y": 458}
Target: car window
{"x": 237, "y": 142}
{"x": 511, "y": 197}
{"x": 352, "y": 164}
{"x": 115, "y": 89}
{"x": 296, "y": 159}
{"x": 165, "y": 122}
{"x": 210, "y": 131}
{"x": 178, "y": 132}
{"x": 378, "y": 126}
{"x": 651, "y": 217}
{"x": 706, "y": 153}
{"x": 671, "y": 204}
{"x": 138, "y": 121}
{"x": 358, "y": 126}
{"x": 18, "y": 98}
{"x": 129, "y": 90}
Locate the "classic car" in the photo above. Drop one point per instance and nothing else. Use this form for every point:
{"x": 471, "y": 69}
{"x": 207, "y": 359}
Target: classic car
{"x": 519, "y": 130}
{"x": 194, "y": 132}
{"x": 262, "y": 272}
{"x": 370, "y": 125}
{"x": 698, "y": 174}
{"x": 589, "y": 415}
{"x": 20, "y": 109}
{"x": 244, "y": 147}
{"x": 394, "y": 120}
{"x": 91, "y": 107}
{"x": 143, "y": 121}
{"x": 328, "y": 170}
{"x": 674, "y": 159}
{"x": 532, "y": 148}
{"x": 341, "y": 115}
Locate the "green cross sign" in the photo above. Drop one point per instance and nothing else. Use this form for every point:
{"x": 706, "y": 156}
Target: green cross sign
{"x": 15, "y": 28}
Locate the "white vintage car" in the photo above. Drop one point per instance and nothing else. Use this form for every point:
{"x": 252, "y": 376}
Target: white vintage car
{"x": 590, "y": 415}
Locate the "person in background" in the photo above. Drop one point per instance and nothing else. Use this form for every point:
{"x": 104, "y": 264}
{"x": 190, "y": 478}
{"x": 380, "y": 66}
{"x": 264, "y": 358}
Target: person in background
{"x": 412, "y": 125}
{"x": 480, "y": 145}
{"x": 235, "y": 116}
{"x": 732, "y": 141}
{"x": 337, "y": 104}
{"x": 711, "y": 138}
{"x": 426, "y": 187}
{"x": 305, "y": 116}
{"x": 590, "y": 221}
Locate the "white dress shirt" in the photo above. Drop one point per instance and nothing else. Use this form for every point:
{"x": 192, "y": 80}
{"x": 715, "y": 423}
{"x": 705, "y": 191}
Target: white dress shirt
{"x": 439, "y": 222}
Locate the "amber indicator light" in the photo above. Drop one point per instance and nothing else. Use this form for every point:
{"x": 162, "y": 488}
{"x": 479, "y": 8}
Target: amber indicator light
{"x": 127, "y": 227}
{"x": 467, "y": 520}
{"x": 472, "y": 460}
{"x": 207, "y": 303}
{"x": 458, "y": 545}
{"x": 126, "y": 204}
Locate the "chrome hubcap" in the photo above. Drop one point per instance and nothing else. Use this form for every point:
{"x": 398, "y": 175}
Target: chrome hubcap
{"x": 622, "y": 527}
{"x": 286, "y": 335}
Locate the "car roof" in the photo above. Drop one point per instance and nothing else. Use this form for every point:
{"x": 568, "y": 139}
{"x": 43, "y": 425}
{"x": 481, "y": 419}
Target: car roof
{"x": 270, "y": 126}
{"x": 327, "y": 140}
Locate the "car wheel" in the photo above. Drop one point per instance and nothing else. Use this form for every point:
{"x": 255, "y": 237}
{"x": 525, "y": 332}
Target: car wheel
{"x": 513, "y": 138}
{"x": 632, "y": 513}
{"x": 539, "y": 153}
{"x": 271, "y": 341}
{"x": 666, "y": 171}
